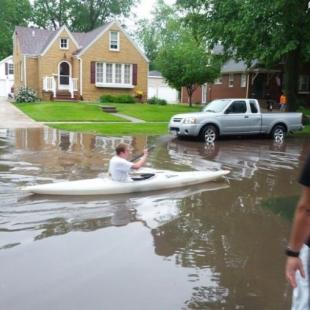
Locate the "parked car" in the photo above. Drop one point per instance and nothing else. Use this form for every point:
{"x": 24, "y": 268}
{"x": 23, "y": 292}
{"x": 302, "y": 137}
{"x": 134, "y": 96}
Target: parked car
{"x": 234, "y": 117}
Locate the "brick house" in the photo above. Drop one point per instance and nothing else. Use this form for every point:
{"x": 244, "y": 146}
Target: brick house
{"x": 64, "y": 64}
{"x": 239, "y": 81}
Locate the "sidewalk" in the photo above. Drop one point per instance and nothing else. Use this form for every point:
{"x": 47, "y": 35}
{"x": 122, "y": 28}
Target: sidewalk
{"x": 11, "y": 117}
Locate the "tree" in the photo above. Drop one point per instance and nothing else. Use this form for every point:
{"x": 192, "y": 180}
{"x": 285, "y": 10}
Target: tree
{"x": 162, "y": 27}
{"x": 185, "y": 63}
{"x": 269, "y": 31}
{"x": 82, "y": 16}
{"x": 12, "y": 13}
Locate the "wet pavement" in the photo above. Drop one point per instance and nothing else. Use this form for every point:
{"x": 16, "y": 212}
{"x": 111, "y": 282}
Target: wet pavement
{"x": 218, "y": 245}
{"x": 12, "y": 117}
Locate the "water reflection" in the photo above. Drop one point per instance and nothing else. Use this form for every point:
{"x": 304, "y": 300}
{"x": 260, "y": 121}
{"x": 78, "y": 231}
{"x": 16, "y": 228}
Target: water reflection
{"x": 220, "y": 243}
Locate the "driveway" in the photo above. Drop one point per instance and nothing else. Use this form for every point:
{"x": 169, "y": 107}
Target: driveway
{"x": 11, "y": 117}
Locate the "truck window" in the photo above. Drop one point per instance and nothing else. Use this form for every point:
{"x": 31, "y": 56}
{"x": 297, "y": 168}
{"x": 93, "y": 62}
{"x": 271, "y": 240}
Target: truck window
{"x": 237, "y": 107}
{"x": 253, "y": 106}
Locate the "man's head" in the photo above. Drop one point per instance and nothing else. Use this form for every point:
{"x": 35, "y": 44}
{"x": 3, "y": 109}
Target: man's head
{"x": 122, "y": 150}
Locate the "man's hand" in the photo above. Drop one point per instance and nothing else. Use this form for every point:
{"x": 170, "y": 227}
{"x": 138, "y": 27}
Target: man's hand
{"x": 293, "y": 264}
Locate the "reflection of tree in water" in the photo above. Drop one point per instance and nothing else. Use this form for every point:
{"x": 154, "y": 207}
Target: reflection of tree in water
{"x": 217, "y": 236}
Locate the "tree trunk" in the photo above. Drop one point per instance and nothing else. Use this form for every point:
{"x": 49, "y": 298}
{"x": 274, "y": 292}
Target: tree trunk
{"x": 291, "y": 76}
{"x": 190, "y": 94}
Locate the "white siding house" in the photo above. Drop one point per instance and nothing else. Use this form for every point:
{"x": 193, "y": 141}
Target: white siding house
{"x": 158, "y": 87}
{"x": 6, "y": 76}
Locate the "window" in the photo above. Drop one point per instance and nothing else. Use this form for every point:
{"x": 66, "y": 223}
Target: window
{"x": 231, "y": 80}
{"x": 304, "y": 83}
{"x": 118, "y": 73}
{"x": 99, "y": 72}
{"x": 253, "y": 106}
{"x": 127, "y": 74}
{"x": 237, "y": 107}
{"x": 113, "y": 75}
{"x": 243, "y": 80}
{"x": 218, "y": 80}
{"x": 114, "y": 41}
{"x": 10, "y": 68}
{"x": 109, "y": 73}
{"x": 64, "y": 43}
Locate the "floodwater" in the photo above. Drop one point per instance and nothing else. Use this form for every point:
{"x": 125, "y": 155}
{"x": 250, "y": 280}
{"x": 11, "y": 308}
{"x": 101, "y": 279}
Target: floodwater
{"x": 214, "y": 246}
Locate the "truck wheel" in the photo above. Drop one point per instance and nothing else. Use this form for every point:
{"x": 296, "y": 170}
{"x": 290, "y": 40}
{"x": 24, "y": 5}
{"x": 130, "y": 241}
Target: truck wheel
{"x": 278, "y": 132}
{"x": 209, "y": 134}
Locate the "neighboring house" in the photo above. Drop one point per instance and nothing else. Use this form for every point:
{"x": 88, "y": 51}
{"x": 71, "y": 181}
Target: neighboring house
{"x": 158, "y": 87}
{"x": 64, "y": 64}
{"x": 6, "y": 76}
{"x": 239, "y": 81}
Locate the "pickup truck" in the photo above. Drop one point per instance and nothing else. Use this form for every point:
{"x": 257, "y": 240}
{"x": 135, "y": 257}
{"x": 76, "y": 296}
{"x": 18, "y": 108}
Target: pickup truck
{"x": 234, "y": 117}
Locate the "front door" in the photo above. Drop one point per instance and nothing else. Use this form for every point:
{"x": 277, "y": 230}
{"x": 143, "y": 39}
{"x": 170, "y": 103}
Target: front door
{"x": 64, "y": 75}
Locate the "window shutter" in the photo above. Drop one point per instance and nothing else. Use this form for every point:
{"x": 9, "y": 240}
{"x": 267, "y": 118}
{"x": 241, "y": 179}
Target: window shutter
{"x": 134, "y": 74}
{"x": 6, "y": 68}
{"x": 93, "y": 72}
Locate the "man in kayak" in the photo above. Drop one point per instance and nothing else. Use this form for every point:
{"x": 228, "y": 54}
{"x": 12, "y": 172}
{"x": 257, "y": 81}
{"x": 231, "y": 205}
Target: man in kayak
{"x": 119, "y": 166}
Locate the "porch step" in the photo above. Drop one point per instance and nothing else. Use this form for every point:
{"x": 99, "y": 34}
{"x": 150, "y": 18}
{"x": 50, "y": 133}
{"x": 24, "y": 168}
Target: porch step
{"x": 109, "y": 109}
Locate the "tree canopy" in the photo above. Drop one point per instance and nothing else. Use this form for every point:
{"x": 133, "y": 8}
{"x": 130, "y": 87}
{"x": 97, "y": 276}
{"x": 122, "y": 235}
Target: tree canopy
{"x": 12, "y": 13}
{"x": 185, "y": 63}
{"x": 268, "y": 31}
{"x": 81, "y": 16}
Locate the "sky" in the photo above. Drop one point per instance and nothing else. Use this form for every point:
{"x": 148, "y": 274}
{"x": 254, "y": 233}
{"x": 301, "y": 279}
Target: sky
{"x": 143, "y": 10}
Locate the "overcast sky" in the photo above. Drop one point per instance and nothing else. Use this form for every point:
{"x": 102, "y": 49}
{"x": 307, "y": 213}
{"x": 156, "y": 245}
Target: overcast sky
{"x": 143, "y": 10}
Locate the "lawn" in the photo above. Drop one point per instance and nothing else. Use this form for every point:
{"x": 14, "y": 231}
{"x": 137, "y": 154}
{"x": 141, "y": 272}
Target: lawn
{"x": 66, "y": 111}
{"x": 154, "y": 113}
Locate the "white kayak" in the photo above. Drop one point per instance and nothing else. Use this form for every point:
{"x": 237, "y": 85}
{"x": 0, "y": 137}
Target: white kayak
{"x": 157, "y": 180}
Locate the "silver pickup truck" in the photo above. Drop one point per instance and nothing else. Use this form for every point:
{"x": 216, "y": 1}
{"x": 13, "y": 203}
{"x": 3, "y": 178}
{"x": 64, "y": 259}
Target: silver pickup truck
{"x": 234, "y": 117}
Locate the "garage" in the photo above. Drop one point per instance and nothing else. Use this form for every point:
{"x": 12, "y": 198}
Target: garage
{"x": 159, "y": 88}
{"x": 3, "y": 88}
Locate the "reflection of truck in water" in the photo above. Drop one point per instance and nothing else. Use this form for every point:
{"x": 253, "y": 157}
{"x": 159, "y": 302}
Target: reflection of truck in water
{"x": 243, "y": 158}
{"x": 234, "y": 117}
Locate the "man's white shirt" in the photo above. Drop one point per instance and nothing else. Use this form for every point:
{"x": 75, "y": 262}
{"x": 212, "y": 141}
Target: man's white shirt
{"x": 119, "y": 169}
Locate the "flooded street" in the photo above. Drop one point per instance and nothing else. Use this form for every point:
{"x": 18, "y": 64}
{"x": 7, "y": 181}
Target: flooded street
{"x": 213, "y": 246}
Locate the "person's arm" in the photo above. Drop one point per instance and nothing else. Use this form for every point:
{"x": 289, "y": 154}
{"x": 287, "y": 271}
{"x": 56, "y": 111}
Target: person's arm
{"x": 141, "y": 161}
{"x": 300, "y": 233}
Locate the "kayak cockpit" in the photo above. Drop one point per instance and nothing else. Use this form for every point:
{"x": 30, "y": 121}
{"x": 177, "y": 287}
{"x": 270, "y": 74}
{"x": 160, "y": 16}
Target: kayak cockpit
{"x": 142, "y": 176}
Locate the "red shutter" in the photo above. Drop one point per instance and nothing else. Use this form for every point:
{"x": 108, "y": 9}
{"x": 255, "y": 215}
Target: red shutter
{"x": 134, "y": 74}
{"x": 6, "y": 68}
{"x": 93, "y": 72}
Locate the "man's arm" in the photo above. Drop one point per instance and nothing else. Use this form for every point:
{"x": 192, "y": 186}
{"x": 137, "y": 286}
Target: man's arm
{"x": 299, "y": 235}
{"x": 141, "y": 161}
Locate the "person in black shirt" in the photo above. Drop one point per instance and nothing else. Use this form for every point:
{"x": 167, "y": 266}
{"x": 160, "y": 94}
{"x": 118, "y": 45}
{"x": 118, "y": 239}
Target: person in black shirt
{"x": 300, "y": 231}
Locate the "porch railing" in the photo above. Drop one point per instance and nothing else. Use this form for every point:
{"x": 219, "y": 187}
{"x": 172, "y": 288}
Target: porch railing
{"x": 50, "y": 84}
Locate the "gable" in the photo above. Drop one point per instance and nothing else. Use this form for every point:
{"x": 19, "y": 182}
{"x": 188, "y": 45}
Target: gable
{"x": 63, "y": 33}
{"x": 104, "y": 38}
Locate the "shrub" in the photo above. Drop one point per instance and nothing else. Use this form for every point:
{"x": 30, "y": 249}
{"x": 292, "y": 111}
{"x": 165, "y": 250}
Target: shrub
{"x": 155, "y": 100}
{"x": 26, "y": 94}
{"x": 117, "y": 99}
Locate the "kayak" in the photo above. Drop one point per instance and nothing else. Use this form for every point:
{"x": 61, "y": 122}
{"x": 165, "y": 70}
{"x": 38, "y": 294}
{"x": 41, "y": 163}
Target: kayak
{"x": 146, "y": 180}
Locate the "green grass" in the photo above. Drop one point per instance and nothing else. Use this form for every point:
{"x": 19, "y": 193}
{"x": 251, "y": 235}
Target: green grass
{"x": 116, "y": 129}
{"x": 66, "y": 111}
{"x": 153, "y": 113}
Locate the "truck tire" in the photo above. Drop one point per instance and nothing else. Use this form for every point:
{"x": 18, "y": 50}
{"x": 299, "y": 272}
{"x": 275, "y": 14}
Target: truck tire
{"x": 209, "y": 134}
{"x": 278, "y": 132}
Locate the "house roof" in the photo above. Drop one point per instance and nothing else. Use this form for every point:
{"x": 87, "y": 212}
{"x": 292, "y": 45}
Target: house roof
{"x": 155, "y": 73}
{"x": 33, "y": 41}
{"x": 6, "y": 59}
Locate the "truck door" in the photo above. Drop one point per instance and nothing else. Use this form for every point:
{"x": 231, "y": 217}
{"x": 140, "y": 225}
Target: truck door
{"x": 236, "y": 120}
{"x": 255, "y": 117}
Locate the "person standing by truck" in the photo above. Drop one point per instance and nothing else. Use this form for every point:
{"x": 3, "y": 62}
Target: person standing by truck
{"x": 283, "y": 102}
